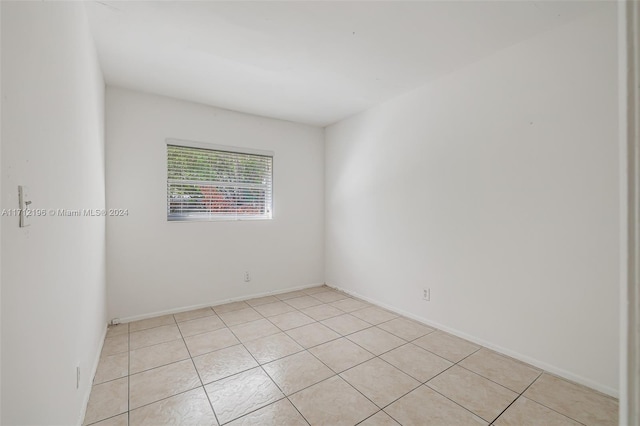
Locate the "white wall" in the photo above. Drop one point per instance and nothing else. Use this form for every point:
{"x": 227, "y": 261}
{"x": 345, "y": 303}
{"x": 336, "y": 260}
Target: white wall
{"x": 497, "y": 187}
{"x": 53, "y": 272}
{"x": 155, "y": 265}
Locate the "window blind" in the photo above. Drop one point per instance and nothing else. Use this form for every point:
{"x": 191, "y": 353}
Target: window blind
{"x": 210, "y": 184}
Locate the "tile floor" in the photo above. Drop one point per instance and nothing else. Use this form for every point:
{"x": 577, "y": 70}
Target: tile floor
{"x": 320, "y": 357}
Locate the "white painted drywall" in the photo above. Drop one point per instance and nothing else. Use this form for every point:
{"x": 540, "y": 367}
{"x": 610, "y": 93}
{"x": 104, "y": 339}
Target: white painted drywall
{"x": 496, "y": 187}
{"x": 155, "y": 265}
{"x": 53, "y": 272}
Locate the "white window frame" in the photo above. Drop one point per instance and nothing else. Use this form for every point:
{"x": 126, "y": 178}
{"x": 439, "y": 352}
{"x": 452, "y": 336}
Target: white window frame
{"x": 214, "y": 147}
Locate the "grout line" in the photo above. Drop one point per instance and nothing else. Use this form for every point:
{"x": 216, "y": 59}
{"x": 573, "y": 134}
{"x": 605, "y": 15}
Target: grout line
{"x": 308, "y": 350}
{"x": 367, "y": 418}
{"x": 434, "y": 390}
{"x": 108, "y": 418}
{"x": 514, "y": 401}
{"x": 455, "y": 402}
{"x": 537, "y": 402}
{"x": 196, "y": 318}
{"x": 160, "y": 366}
{"x": 357, "y": 390}
{"x": 281, "y": 390}
{"x": 421, "y": 383}
{"x": 198, "y": 333}
{"x": 197, "y": 372}
{"x": 167, "y": 397}
{"x": 393, "y": 366}
{"x": 517, "y": 398}
{"x": 491, "y": 380}
{"x": 339, "y": 374}
{"x": 265, "y": 372}
{"x": 155, "y": 344}
{"x": 296, "y": 408}
{"x": 184, "y": 322}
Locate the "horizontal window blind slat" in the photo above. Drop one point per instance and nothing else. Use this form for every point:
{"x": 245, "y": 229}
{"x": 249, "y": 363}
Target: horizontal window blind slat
{"x": 185, "y": 182}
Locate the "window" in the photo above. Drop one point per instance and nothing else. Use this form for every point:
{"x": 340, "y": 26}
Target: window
{"x": 207, "y": 182}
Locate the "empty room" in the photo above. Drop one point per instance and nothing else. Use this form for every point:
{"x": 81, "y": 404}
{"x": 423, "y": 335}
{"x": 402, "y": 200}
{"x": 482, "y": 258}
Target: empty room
{"x": 319, "y": 213}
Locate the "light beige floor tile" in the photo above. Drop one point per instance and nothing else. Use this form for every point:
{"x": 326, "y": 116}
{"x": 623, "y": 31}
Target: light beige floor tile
{"x": 162, "y": 382}
{"x": 346, "y": 324}
{"x": 330, "y": 296}
{"x": 406, "y": 329}
{"x": 379, "y": 419}
{"x": 117, "y": 330}
{"x": 374, "y": 315}
{"x": 224, "y": 363}
{"x": 303, "y": 302}
{"x": 200, "y": 325}
{"x": 314, "y": 290}
{"x": 112, "y": 367}
{"x": 380, "y": 382}
{"x": 508, "y": 372}
{"x": 280, "y": 413}
{"x": 115, "y": 345}
{"x": 341, "y": 354}
{"x": 186, "y": 409}
{"x": 228, "y": 307}
{"x": 420, "y": 364}
{"x": 275, "y": 308}
{"x": 349, "y": 305}
{"x": 291, "y": 320}
{"x": 240, "y": 316}
{"x": 157, "y": 355}
{"x": 148, "y": 323}
{"x": 447, "y": 346}
{"x": 578, "y": 402}
{"x": 525, "y": 412}
{"x": 153, "y": 336}
{"x": 477, "y": 394}
{"x": 211, "y": 341}
{"x": 270, "y": 348}
{"x": 297, "y": 372}
{"x": 333, "y": 402}
{"x": 312, "y": 334}
{"x": 425, "y": 407}
{"x": 107, "y": 400}
{"x": 321, "y": 312}
{"x": 254, "y": 330}
{"x": 238, "y": 395}
{"x": 120, "y": 420}
{"x": 262, "y": 300}
{"x": 194, "y": 314}
{"x": 375, "y": 340}
{"x": 291, "y": 295}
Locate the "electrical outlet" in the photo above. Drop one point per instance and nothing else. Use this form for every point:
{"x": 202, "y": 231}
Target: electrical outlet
{"x": 247, "y": 277}
{"x": 426, "y": 294}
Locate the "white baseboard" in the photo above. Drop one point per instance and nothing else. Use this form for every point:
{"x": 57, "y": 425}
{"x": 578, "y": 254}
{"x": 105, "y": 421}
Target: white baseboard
{"x": 505, "y": 351}
{"x": 94, "y": 369}
{"x": 213, "y": 303}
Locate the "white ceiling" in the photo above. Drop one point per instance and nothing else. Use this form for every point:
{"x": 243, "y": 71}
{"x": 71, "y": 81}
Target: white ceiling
{"x": 310, "y": 62}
